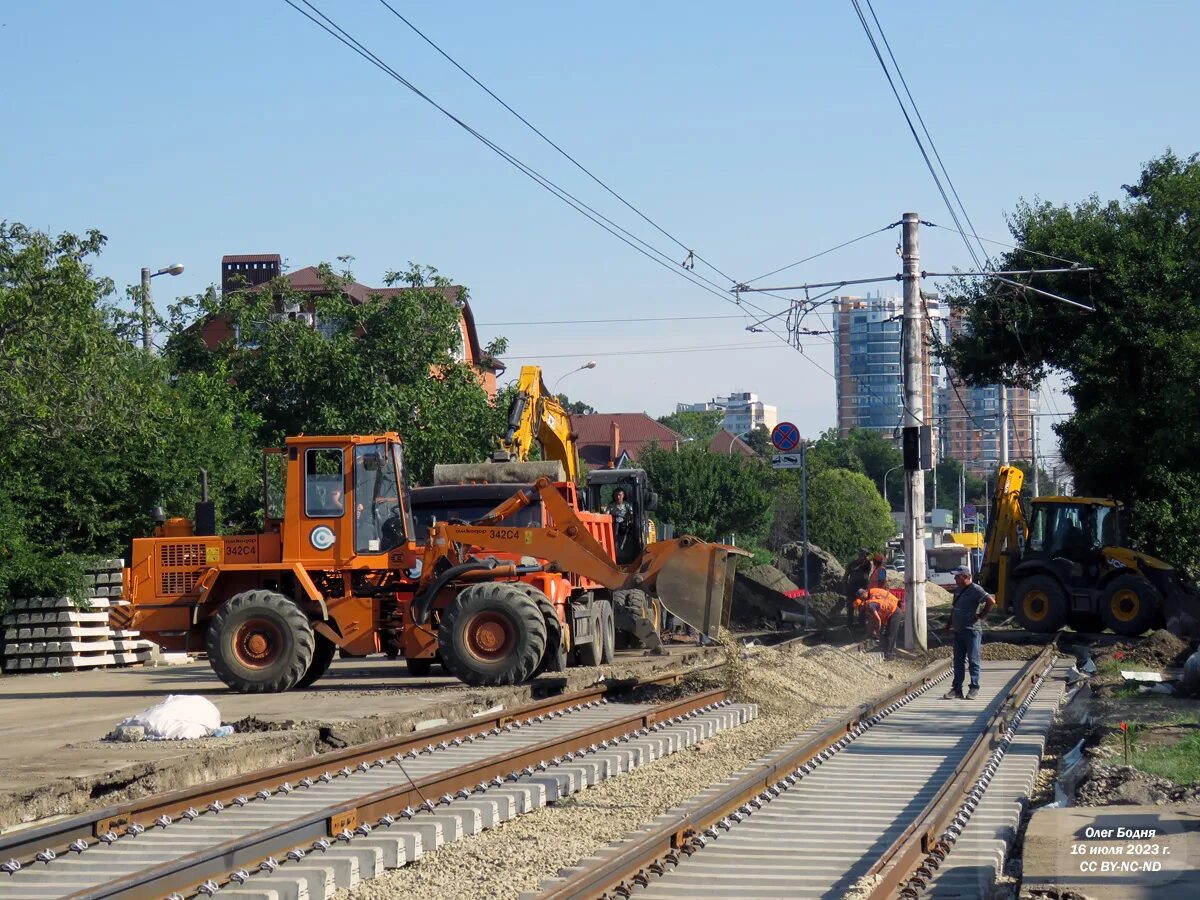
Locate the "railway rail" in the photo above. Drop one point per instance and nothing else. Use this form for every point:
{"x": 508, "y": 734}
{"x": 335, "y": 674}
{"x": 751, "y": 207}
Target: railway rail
{"x": 332, "y": 819}
{"x": 877, "y": 802}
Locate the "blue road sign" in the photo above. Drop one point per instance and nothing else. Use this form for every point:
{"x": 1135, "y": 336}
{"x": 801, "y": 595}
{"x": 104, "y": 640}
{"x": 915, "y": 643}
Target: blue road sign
{"x": 785, "y": 436}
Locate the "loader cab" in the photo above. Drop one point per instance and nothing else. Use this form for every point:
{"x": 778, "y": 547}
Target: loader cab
{"x": 343, "y": 500}
{"x": 602, "y": 484}
{"x": 1070, "y": 533}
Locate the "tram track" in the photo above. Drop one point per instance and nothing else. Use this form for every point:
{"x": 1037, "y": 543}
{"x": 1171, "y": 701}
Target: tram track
{"x": 862, "y": 802}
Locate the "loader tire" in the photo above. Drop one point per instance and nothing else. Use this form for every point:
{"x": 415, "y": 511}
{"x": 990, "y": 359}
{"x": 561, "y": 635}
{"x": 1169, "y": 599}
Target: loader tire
{"x": 323, "y": 653}
{"x": 1130, "y": 605}
{"x": 1040, "y": 604}
{"x": 260, "y": 642}
{"x": 555, "y": 657}
{"x": 592, "y": 652}
{"x": 608, "y": 633}
{"x": 492, "y": 634}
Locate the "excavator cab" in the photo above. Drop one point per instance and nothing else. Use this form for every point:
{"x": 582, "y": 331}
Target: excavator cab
{"x": 640, "y": 533}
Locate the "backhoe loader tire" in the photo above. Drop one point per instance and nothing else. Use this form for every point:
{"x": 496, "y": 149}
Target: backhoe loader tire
{"x": 633, "y": 615}
{"x": 1130, "y": 605}
{"x": 260, "y": 642}
{"x": 418, "y": 668}
{"x": 323, "y": 653}
{"x": 492, "y": 634}
{"x": 1040, "y": 604}
{"x": 608, "y": 633}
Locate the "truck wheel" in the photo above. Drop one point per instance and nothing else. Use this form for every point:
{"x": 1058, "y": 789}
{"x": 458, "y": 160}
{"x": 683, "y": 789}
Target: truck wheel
{"x": 323, "y": 653}
{"x": 608, "y": 633}
{"x": 418, "y": 668}
{"x": 1040, "y": 604}
{"x": 1129, "y": 605}
{"x": 260, "y": 642}
{"x": 491, "y": 634}
{"x": 592, "y": 652}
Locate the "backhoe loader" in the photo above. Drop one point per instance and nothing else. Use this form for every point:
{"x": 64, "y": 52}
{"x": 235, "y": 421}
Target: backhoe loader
{"x": 337, "y": 566}
{"x": 1070, "y": 563}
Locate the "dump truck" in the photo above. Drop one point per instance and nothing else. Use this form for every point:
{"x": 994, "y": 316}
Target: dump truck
{"x": 1070, "y": 563}
{"x": 337, "y": 567}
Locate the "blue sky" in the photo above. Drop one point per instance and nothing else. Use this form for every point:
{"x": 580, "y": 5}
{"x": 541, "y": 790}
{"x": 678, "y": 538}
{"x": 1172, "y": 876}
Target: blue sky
{"x": 756, "y": 133}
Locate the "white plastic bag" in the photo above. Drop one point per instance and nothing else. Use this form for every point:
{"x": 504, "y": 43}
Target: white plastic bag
{"x": 180, "y": 717}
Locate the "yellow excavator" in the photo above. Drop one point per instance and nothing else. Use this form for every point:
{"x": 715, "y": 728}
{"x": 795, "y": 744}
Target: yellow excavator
{"x": 1069, "y": 563}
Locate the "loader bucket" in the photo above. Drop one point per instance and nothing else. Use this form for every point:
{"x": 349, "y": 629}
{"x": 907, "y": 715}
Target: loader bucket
{"x": 695, "y": 584}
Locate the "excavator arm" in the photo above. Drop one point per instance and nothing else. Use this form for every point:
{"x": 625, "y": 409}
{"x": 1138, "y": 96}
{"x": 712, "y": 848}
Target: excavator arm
{"x": 692, "y": 578}
{"x": 536, "y": 415}
{"x": 1006, "y": 534}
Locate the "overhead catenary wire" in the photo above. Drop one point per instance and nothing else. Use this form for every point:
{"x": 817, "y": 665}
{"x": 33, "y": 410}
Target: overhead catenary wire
{"x": 861, "y": 237}
{"x": 586, "y": 171}
{"x": 656, "y": 351}
{"x": 616, "y": 321}
{"x": 622, "y": 234}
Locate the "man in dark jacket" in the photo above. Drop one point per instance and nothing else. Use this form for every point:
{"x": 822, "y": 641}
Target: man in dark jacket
{"x": 971, "y": 606}
{"x": 857, "y": 574}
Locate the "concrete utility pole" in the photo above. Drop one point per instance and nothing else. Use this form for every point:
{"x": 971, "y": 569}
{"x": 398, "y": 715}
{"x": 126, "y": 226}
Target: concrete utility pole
{"x": 1033, "y": 452}
{"x": 914, "y": 417}
{"x": 1003, "y": 424}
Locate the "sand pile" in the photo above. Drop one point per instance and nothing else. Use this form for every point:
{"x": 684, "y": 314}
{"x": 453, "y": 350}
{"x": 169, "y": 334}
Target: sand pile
{"x": 1119, "y": 785}
{"x": 794, "y": 689}
{"x": 993, "y": 651}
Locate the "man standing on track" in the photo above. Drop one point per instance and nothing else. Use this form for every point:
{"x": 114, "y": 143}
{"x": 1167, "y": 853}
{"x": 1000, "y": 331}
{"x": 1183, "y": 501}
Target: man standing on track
{"x": 971, "y": 606}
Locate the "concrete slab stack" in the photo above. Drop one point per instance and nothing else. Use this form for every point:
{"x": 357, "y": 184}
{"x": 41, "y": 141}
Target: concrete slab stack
{"x": 55, "y": 635}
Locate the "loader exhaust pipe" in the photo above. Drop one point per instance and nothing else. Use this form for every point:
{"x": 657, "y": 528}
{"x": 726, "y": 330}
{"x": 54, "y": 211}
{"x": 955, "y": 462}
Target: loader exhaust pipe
{"x": 206, "y": 511}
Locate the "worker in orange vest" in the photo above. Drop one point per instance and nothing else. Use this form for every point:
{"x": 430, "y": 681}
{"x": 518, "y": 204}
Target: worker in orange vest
{"x": 878, "y": 605}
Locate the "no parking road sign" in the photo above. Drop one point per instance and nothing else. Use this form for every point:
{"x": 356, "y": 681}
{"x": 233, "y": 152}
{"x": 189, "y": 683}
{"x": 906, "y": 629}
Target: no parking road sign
{"x": 786, "y": 437}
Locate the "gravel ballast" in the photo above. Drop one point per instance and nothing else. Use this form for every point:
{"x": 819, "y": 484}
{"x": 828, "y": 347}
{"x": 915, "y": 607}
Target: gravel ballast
{"x": 793, "y": 689}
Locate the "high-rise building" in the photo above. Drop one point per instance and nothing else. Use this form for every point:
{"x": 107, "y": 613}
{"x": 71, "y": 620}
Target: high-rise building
{"x": 743, "y": 412}
{"x": 867, "y": 362}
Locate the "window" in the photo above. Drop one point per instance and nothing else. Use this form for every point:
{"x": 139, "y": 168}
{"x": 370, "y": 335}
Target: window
{"x": 324, "y": 483}
{"x": 378, "y": 522}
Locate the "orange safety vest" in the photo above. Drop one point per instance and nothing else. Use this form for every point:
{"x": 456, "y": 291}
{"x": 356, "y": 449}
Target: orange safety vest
{"x": 886, "y": 599}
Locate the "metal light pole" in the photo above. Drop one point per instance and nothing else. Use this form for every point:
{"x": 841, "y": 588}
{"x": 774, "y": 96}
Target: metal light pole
{"x": 804, "y": 520}
{"x": 885, "y": 477}
{"x": 735, "y": 440}
{"x": 1034, "y": 448}
{"x": 147, "y": 303}
{"x": 591, "y": 364}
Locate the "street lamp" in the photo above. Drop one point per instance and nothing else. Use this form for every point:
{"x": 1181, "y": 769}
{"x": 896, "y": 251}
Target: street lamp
{"x": 591, "y": 364}
{"x": 885, "y": 476}
{"x": 147, "y": 305}
{"x": 735, "y": 439}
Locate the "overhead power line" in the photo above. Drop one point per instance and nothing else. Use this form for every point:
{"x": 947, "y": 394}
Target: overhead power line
{"x": 584, "y": 169}
{"x": 619, "y": 321}
{"x": 861, "y": 237}
{"x": 714, "y": 348}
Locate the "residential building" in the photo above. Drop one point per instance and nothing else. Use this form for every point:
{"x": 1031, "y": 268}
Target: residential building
{"x": 867, "y": 362}
{"x": 253, "y": 271}
{"x": 970, "y": 429}
{"x": 616, "y": 440}
{"x": 726, "y": 442}
{"x": 743, "y": 412}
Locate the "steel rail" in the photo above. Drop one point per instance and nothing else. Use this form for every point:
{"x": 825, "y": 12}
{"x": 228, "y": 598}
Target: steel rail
{"x": 24, "y": 845}
{"x": 897, "y": 863}
{"x": 648, "y": 847}
{"x": 340, "y": 820}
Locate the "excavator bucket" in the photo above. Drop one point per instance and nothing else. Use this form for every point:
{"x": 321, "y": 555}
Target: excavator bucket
{"x": 695, "y": 584}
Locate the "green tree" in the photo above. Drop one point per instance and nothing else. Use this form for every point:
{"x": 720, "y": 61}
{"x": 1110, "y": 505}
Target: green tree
{"x": 710, "y": 495}
{"x": 699, "y": 426}
{"x": 575, "y": 407}
{"x": 760, "y": 441}
{"x": 845, "y": 512}
{"x": 1132, "y": 365}
{"x": 389, "y": 364}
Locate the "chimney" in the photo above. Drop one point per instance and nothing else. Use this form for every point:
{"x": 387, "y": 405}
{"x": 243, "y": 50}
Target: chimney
{"x": 615, "y": 452}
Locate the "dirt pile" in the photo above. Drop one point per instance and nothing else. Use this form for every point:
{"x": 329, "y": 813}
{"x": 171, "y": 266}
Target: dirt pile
{"x": 1159, "y": 650}
{"x": 935, "y": 595}
{"x": 794, "y": 688}
{"x": 1125, "y": 785}
{"x": 758, "y": 597}
{"x": 825, "y": 573}
{"x": 993, "y": 651}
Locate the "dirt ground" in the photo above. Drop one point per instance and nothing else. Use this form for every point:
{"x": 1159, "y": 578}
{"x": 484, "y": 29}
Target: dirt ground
{"x": 793, "y": 688}
{"x": 52, "y": 725}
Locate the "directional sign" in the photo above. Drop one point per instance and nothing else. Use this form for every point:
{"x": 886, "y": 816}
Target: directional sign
{"x": 969, "y": 511}
{"x": 787, "y": 461}
{"x": 786, "y": 437}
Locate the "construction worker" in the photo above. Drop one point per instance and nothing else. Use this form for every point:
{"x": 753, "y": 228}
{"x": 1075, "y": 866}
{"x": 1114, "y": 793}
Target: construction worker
{"x": 857, "y": 576}
{"x": 971, "y": 606}
{"x": 878, "y": 577}
{"x": 878, "y": 605}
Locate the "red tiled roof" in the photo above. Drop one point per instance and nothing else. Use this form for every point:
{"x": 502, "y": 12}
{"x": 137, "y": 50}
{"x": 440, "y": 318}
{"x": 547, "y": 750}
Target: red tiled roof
{"x": 722, "y": 441}
{"x": 250, "y": 258}
{"x": 637, "y": 432}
